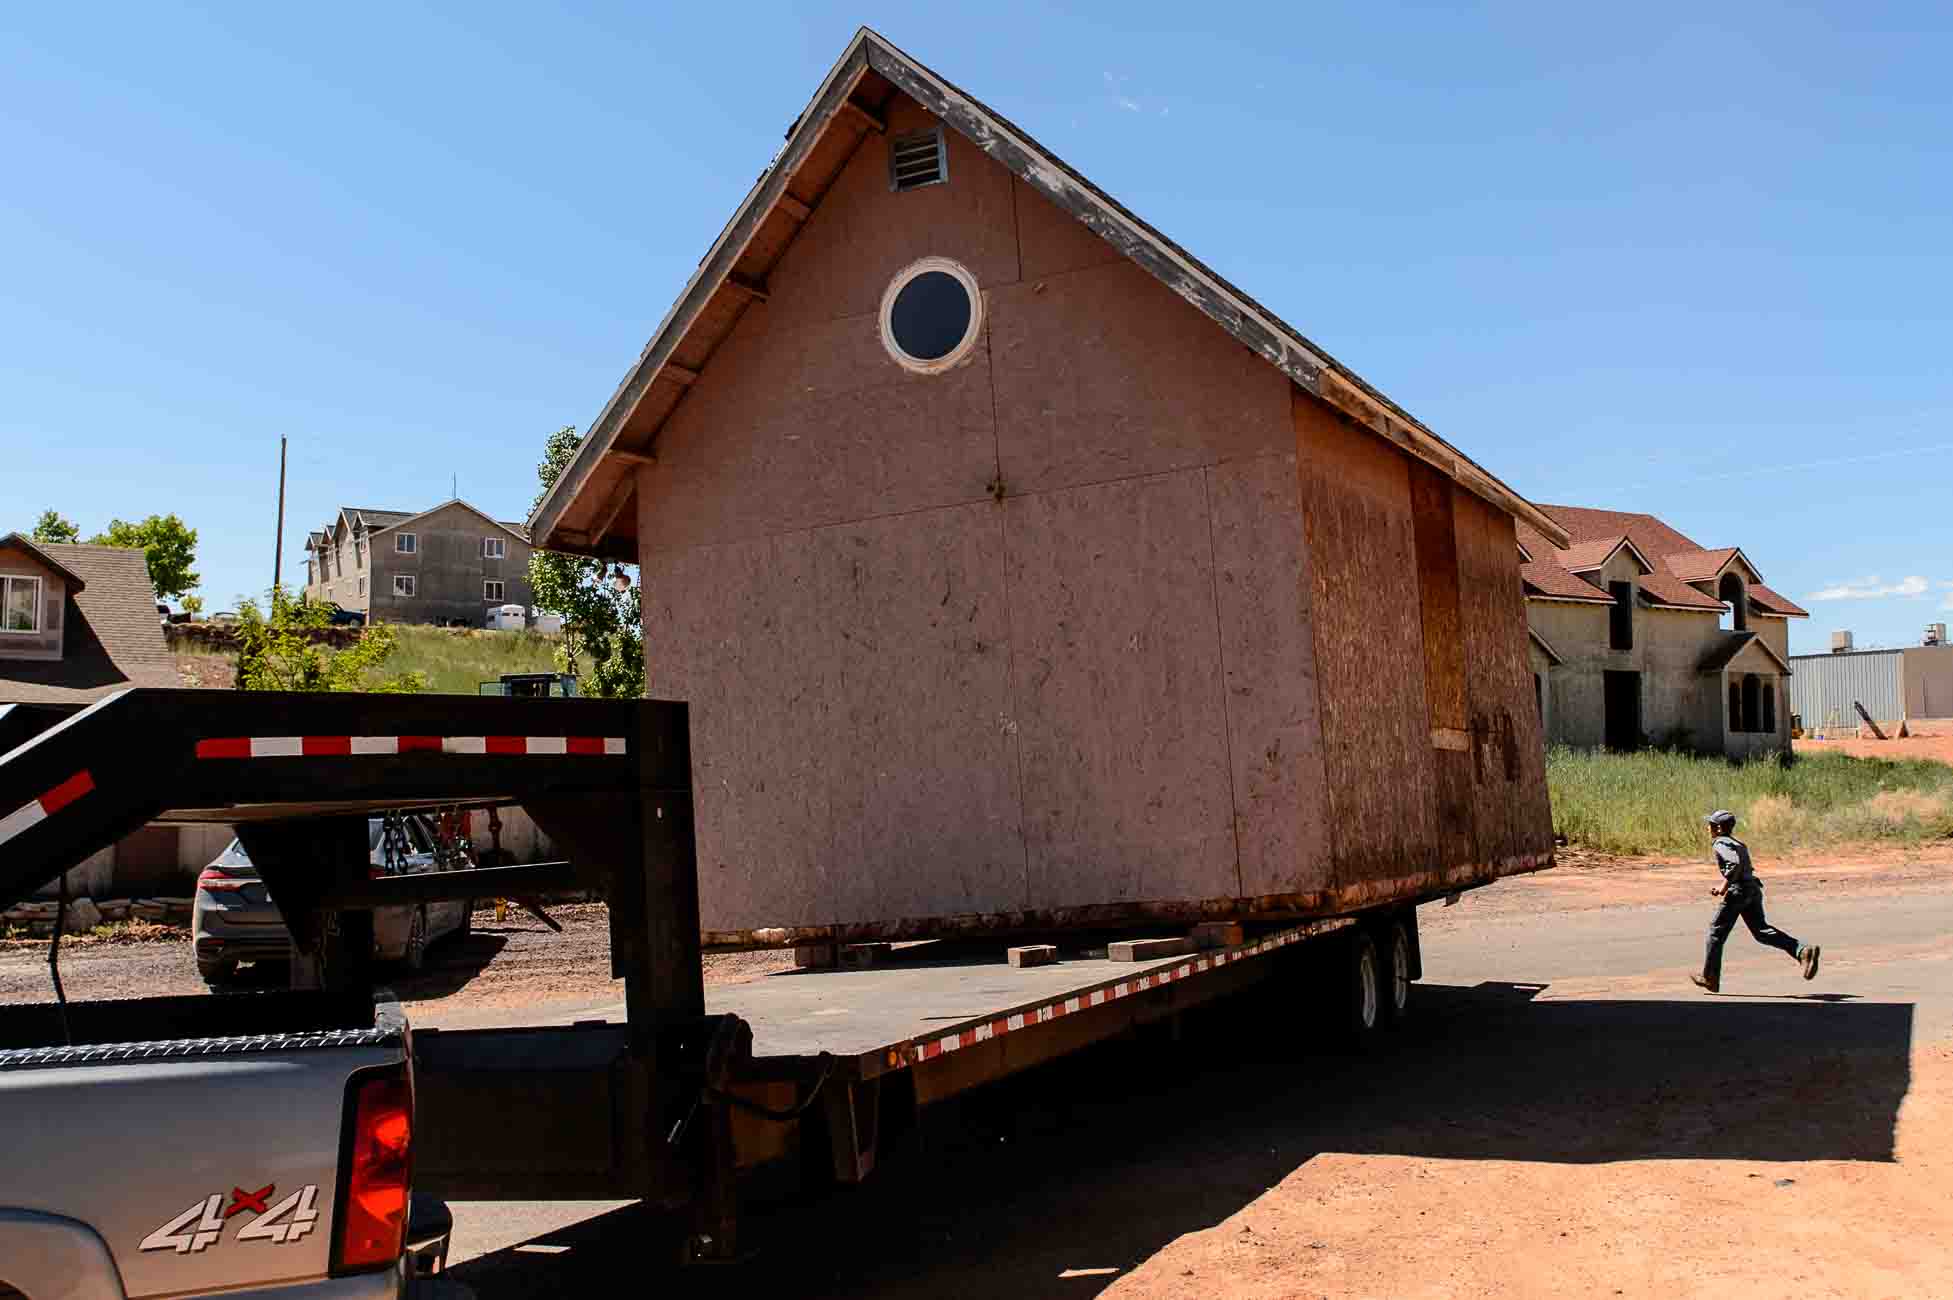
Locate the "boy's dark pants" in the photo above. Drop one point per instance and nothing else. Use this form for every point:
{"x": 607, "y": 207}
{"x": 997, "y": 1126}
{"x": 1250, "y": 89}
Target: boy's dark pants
{"x": 1747, "y": 903}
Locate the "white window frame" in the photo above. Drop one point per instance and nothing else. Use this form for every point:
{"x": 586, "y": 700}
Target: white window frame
{"x": 7, "y": 581}
{"x": 499, "y": 594}
{"x": 362, "y": 586}
{"x": 494, "y": 548}
{"x": 406, "y": 543}
{"x": 404, "y": 584}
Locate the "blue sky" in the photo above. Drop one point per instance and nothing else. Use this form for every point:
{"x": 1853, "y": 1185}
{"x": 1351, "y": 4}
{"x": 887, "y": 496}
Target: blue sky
{"x": 1688, "y": 260}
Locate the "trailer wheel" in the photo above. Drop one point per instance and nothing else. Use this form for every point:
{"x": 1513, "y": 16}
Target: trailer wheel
{"x": 1364, "y": 993}
{"x": 1396, "y": 973}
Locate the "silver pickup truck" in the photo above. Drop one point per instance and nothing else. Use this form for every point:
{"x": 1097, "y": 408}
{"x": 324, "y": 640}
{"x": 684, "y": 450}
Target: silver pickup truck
{"x": 255, "y": 1145}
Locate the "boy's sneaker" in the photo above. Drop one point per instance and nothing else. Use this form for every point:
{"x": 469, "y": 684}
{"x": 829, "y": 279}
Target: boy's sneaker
{"x": 1808, "y": 958}
{"x": 1711, "y": 985}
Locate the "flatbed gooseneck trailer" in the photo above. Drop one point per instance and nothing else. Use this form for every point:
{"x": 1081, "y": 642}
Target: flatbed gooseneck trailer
{"x": 686, "y": 1091}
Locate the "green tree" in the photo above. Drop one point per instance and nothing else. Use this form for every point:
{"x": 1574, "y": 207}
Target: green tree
{"x": 193, "y": 606}
{"x": 603, "y": 628}
{"x": 168, "y": 545}
{"x": 280, "y": 651}
{"x": 51, "y": 527}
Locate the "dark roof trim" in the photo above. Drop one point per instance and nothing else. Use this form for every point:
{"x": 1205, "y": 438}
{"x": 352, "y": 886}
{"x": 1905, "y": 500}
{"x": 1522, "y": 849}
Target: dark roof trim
{"x": 510, "y": 529}
{"x": 1545, "y": 648}
{"x": 1250, "y": 323}
{"x": 27, "y": 543}
{"x": 1726, "y": 654}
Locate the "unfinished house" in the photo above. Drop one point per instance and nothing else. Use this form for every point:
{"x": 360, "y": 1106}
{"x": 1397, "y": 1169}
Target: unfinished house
{"x": 1641, "y": 637}
{"x": 450, "y": 565}
{"x": 1020, "y": 571}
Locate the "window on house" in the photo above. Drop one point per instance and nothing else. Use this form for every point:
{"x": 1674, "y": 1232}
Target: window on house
{"x": 406, "y": 543}
{"x": 1620, "y": 626}
{"x": 359, "y": 555}
{"x": 1752, "y": 702}
{"x": 20, "y": 604}
{"x": 491, "y": 590}
{"x": 1770, "y": 708}
{"x": 493, "y": 548}
{"x": 403, "y": 584}
{"x": 1735, "y": 706}
{"x": 362, "y": 586}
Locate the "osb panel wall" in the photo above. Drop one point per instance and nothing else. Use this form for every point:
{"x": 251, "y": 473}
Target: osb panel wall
{"x": 1434, "y": 529}
{"x": 851, "y": 755}
{"x": 1105, "y": 373}
{"x": 1513, "y": 819}
{"x": 1263, "y": 586}
{"x": 1116, "y": 684}
{"x": 1369, "y": 645}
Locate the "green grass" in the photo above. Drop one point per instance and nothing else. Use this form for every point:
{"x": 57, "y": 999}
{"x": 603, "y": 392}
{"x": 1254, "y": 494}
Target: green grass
{"x": 456, "y": 661}
{"x": 1653, "y": 801}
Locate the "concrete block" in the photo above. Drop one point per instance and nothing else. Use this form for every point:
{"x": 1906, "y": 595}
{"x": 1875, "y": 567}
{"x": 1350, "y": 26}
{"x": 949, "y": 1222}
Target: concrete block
{"x": 813, "y": 956}
{"x": 860, "y": 956}
{"x": 1036, "y": 954}
{"x": 1148, "y": 949}
{"x": 1219, "y": 934}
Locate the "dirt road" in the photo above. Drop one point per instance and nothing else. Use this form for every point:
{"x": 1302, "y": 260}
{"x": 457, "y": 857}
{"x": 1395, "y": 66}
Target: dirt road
{"x": 1565, "y": 1117}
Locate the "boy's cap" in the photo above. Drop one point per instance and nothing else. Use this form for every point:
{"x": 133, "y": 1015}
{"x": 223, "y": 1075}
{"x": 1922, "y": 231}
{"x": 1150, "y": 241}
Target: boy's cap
{"x": 1721, "y": 817}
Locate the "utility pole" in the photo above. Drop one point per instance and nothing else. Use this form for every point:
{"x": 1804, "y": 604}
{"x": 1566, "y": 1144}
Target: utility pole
{"x": 278, "y": 543}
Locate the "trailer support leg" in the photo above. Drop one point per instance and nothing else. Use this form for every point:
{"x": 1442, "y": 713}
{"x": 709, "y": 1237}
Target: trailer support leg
{"x": 715, "y": 1200}
{"x": 853, "y": 1115}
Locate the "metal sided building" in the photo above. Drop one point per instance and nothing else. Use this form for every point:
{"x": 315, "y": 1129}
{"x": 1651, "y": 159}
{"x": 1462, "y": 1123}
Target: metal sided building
{"x": 1022, "y": 573}
{"x": 1906, "y": 682}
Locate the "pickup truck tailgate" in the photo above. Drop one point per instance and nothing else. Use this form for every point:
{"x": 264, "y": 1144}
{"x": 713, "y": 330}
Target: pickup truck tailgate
{"x": 202, "y": 1164}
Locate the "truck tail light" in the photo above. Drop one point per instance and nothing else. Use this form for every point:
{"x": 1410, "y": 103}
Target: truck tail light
{"x": 213, "y": 880}
{"x": 375, "y": 1172}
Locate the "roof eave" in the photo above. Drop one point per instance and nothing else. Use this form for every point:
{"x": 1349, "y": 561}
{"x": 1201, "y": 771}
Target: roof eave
{"x": 1306, "y": 365}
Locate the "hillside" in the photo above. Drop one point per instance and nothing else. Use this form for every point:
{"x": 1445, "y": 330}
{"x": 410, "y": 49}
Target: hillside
{"x": 455, "y": 661}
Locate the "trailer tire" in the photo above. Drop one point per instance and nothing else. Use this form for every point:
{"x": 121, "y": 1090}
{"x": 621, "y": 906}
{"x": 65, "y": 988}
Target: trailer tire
{"x": 1363, "y": 989}
{"x": 1398, "y": 963}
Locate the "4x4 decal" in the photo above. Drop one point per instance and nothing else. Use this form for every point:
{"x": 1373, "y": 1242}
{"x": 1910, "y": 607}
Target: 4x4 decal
{"x": 202, "y": 1225}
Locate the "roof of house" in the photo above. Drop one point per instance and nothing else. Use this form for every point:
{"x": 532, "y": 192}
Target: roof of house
{"x": 1585, "y": 556}
{"x": 111, "y": 637}
{"x": 41, "y": 551}
{"x": 1725, "y": 652}
{"x": 1677, "y": 559}
{"x": 766, "y": 223}
{"x": 376, "y": 521}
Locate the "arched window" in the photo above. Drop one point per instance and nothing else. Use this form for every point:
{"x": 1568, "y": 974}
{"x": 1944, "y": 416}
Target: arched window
{"x": 1736, "y": 615}
{"x": 1770, "y": 707}
{"x": 1752, "y": 703}
{"x": 1735, "y": 706}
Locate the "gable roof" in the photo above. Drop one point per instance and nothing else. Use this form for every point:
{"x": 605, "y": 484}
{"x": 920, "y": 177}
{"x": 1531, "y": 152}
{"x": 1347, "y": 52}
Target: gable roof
{"x": 733, "y": 271}
{"x": 111, "y": 637}
{"x": 40, "y": 551}
{"x": 1588, "y": 556}
{"x": 1726, "y": 653}
{"x": 379, "y": 521}
{"x": 1666, "y": 587}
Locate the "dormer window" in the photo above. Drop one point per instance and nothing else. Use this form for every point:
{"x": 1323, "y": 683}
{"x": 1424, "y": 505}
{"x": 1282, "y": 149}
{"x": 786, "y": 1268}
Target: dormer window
{"x": 20, "y": 603}
{"x": 1736, "y": 603}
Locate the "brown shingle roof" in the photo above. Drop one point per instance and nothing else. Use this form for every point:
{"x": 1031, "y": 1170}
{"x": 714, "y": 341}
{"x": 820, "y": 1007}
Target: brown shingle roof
{"x": 112, "y": 638}
{"x": 1699, "y": 566}
{"x": 1651, "y": 537}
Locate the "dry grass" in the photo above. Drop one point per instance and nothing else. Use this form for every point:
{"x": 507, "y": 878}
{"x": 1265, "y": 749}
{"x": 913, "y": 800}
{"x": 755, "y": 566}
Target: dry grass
{"x": 1653, "y": 802}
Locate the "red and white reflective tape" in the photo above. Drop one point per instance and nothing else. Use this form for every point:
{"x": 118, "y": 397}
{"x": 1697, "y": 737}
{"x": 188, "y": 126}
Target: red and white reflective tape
{"x": 1071, "y": 1005}
{"x": 36, "y": 811}
{"x": 348, "y": 746}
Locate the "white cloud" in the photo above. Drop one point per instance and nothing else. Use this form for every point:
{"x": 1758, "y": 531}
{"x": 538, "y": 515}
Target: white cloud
{"x": 1948, "y": 602}
{"x": 1871, "y": 589}
{"x": 1123, "y": 100}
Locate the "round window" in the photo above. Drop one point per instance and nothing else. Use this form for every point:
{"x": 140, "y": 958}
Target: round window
{"x": 931, "y": 314}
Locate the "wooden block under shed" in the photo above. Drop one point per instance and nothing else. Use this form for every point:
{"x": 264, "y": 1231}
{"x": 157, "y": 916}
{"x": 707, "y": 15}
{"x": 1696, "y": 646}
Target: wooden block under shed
{"x": 813, "y": 956}
{"x": 864, "y": 954}
{"x": 1219, "y": 934}
{"x": 1147, "y": 949}
{"x": 1036, "y": 954}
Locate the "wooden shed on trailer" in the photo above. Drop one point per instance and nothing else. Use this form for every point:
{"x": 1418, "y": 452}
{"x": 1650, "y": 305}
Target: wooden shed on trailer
{"x": 1022, "y": 573}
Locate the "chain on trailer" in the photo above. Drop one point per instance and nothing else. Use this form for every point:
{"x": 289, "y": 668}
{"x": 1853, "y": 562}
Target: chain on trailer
{"x": 394, "y": 849}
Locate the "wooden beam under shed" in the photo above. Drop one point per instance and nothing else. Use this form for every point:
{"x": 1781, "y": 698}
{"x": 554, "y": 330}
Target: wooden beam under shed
{"x": 746, "y": 284}
{"x": 632, "y": 457}
{"x": 795, "y": 208}
{"x": 866, "y": 117}
{"x": 620, "y": 497}
{"x": 683, "y": 374}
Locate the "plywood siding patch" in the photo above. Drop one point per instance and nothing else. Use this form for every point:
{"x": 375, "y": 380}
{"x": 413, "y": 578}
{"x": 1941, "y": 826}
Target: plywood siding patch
{"x": 1369, "y": 648}
{"x": 795, "y": 429}
{"x": 852, "y": 756}
{"x": 1117, "y": 697}
{"x": 1511, "y": 814}
{"x": 1106, "y": 374}
{"x": 1263, "y": 587}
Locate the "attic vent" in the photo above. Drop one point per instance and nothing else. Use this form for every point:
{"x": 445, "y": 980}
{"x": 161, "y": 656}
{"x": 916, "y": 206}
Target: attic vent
{"x": 916, "y": 160}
